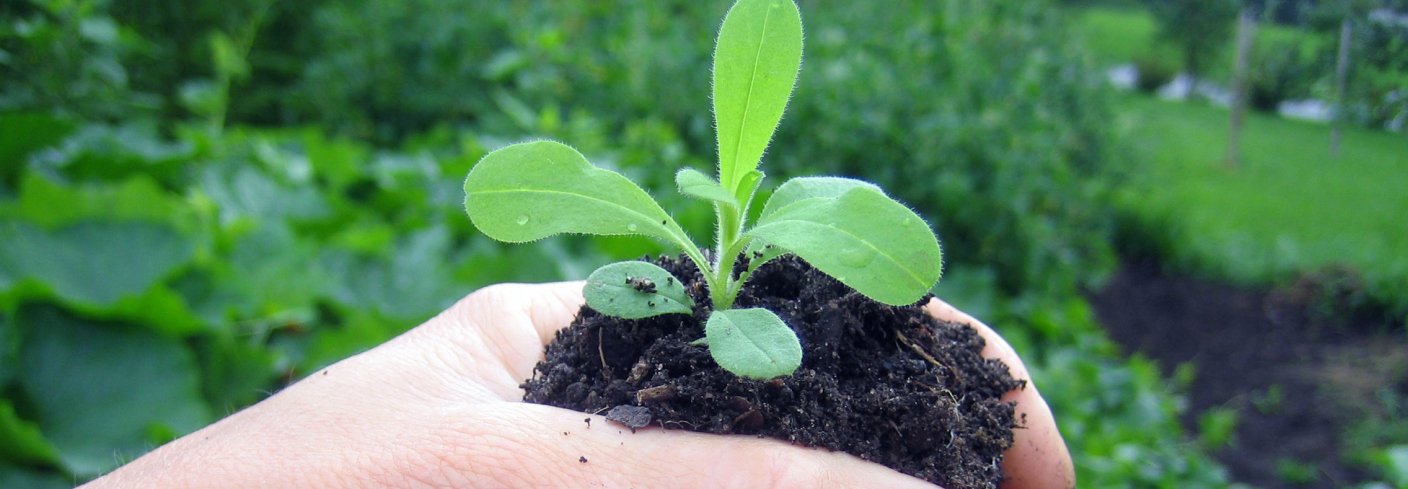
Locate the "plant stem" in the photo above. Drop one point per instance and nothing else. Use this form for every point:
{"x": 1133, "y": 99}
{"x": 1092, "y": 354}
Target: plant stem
{"x": 730, "y": 245}
{"x": 717, "y": 290}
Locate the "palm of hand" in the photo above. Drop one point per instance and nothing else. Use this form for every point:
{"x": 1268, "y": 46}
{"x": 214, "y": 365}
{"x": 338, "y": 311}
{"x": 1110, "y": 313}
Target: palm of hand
{"x": 440, "y": 406}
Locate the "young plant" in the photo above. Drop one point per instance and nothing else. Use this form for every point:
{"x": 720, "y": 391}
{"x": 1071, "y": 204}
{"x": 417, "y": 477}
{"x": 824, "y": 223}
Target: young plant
{"x": 848, "y": 229}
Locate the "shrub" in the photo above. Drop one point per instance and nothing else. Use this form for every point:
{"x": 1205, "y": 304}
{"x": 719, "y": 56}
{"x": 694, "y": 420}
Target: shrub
{"x": 999, "y": 129}
{"x": 1199, "y": 28}
{"x": 1283, "y": 68}
{"x": 1156, "y": 68}
{"x": 66, "y": 57}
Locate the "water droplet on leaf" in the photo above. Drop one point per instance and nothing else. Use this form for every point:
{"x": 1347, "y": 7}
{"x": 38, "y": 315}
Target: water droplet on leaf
{"x": 522, "y": 219}
{"x": 632, "y": 227}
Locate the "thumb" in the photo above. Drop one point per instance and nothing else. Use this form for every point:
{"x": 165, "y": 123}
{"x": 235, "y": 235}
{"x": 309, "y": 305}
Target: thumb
{"x": 528, "y": 445}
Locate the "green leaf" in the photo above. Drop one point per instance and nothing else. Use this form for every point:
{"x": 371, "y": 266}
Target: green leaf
{"x": 753, "y": 343}
{"x": 236, "y": 372}
{"x": 756, "y": 62}
{"x": 747, "y": 188}
{"x": 336, "y": 161}
{"x": 635, "y": 290}
{"x": 864, "y": 239}
{"x": 246, "y": 192}
{"x": 227, "y": 56}
{"x": 530, "y": 191}
{"x": 695, "y": 183}
{"x": 94, "y": 263}
{"x": 410, "y": 286}
{"x": 22, "y": 442}
{"x": 98, "y": 152}
{"x": 9, "y": 346}
{"x": 50, "y": 204}
{"x": 101, "y": 390}
{"x": 275, "y": 269}
{"x": 23, "y": 133}
{"x": 803, "y": 188}
{"x": 27, "y": 479}
{"x": 760, "y": 252}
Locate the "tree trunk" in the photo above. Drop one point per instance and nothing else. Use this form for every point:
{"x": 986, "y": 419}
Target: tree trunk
{"x": 1246, "y": 31}
{"x": 1341, "y": 77}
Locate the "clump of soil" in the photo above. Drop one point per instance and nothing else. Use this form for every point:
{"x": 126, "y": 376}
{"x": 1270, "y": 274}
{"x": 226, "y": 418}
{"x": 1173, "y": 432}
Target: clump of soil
{"x": 888, "y": 384}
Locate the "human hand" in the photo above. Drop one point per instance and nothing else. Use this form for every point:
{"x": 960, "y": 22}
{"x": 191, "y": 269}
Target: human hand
{"x": 440, "y": 406}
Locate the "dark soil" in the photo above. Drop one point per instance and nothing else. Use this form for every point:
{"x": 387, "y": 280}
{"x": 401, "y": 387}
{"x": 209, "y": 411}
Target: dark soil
{"x": 863, "y": 388}
{"x": 1298, "y": 368}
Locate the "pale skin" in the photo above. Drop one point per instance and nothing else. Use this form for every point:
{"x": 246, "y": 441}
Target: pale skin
{"x": 440, "y": 406}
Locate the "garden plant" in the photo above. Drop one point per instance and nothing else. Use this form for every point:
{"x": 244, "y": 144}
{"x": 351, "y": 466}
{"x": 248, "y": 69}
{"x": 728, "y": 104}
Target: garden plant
{"x": 848, "y": 229}
{"x": 641, "y": 328}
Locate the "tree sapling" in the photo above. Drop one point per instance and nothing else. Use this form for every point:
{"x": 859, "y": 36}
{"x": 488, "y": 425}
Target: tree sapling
{"x": 848, "y": 229}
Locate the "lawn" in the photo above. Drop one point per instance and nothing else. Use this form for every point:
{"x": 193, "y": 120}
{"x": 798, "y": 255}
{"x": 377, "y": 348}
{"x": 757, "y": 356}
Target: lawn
{"x": 1289, "y": 208}
{"x": 1118, "y": 35}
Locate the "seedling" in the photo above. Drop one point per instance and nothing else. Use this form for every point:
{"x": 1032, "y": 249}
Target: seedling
{"x": 848, "y": 229}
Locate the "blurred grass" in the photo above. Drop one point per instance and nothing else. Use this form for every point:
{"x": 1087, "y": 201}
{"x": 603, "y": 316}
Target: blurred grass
{"x": 1289, "y": 208}
{"x": 1118, "y": 35}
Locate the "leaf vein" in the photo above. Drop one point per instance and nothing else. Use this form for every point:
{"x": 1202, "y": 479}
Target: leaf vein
{"x": 628, "y": 210}
{"x": 748, "y": 101}
{"x": 917, "y": 279}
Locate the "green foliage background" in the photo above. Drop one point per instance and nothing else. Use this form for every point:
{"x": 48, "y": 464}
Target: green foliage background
{"x": 193, "y": 217}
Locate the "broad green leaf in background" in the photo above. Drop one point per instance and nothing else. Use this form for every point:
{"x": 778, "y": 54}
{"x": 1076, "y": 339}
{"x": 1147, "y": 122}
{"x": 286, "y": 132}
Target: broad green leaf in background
{"x": 235, "y": 372}
{"x": 408, "y": 287}
{"x": 249, "y": 193}
{"x": 101, "y": 390}
{"x": 20, "y": 440}
{"x": 488, "y": 262}
{"x": 94, "y": 263}
{"x": 635, "y": 290}
{"x": 695, "y": 183}
{"x": 271, "y": 271}
{"x": 56, "y": 209}
{"x": 753, "y": 343}
{"x": 48, "y": 204}
{"x": 864, "y": 239}
{"x": 17, "y": 477}
{"x": 336, "y": 161}
{"x": 22, "y": 133}
{"x": 9, "y": 347}
{"x": 756, "y": 62}
{"x": 100, "y": 152}
{"x": 530, "y": 191}
{"x": 802, "y": 188}
{"x": 160, "y": 308}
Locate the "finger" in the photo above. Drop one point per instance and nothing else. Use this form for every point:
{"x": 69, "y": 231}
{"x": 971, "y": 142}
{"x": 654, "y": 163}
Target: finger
{"x": 526, "y": 445}
{"x": 1038, "y": 458}
{"x": 546, "y": 307}
{"x": 492, "y": 338}
{"x": 554, "y": 306}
